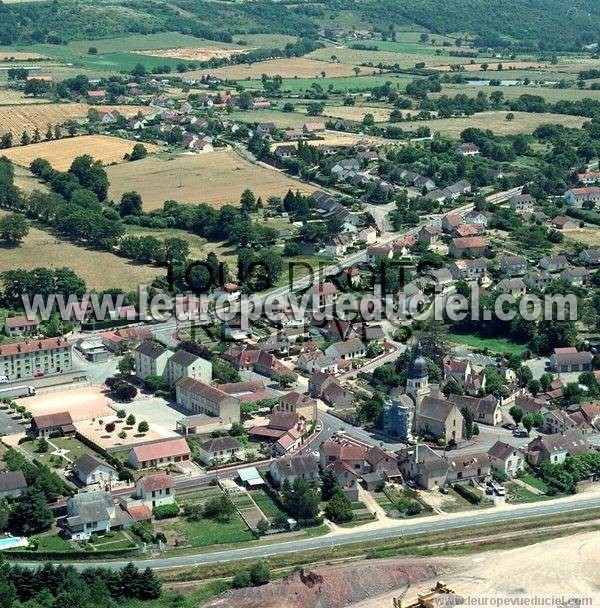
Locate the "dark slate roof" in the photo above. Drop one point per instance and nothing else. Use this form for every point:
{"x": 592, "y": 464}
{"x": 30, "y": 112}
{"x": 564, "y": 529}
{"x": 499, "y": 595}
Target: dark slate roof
{"x": 184, "y": 358}
{"x": 87, "y": 463}
{"x": 151, "y": 349}
{"x": 12, "y": 480}
{"x": 297, "y": 465}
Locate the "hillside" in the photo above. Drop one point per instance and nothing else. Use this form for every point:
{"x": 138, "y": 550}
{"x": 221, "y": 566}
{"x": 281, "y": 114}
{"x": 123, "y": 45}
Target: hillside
{"x": 540, "y": 24}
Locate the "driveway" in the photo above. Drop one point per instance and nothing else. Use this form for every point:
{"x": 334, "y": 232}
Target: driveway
{"x": 8, "y": 425}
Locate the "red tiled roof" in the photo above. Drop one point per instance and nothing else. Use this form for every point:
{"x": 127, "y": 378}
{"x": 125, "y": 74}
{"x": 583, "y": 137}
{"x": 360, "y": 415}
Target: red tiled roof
{"x": 163, "y": 449}
{"x": 140, "y": 512}
{"x": 156, "y": 481}
{"x": 32, "y": 346}
{"x": 48, "y": 421}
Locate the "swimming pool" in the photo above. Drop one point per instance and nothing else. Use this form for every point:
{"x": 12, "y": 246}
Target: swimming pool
{"x": 10, "y": 542}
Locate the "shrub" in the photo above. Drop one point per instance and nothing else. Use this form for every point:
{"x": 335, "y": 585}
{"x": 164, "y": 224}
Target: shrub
{"x": 467, "y": 494}
{"x": 414, "y": 508}
{"x": 241, "y": 579}
{"x": 260, "y": 574}
{"x": 166, "y": 511}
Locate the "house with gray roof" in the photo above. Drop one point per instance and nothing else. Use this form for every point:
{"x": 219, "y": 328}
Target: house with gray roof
{"x": 12, "y": 483}
{"x": 220, "y": 450}
{"x": 89, "y": 470}
{"x": 347, "y": 349}
{"x": 150, "y": 359}
{"x": 440, "y": 418}
{"x": 506, "y": 458}
{"x": 184, "y": 364}
{"x": 90, "y": 513}
{"x": 291, "y": 467}
{"x": 419, "y": 463}
{"x": 555, "y": 448}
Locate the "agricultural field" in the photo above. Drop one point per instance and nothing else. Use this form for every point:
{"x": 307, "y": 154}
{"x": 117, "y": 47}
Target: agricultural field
{"x": 7, "y": 55}
{"x": 296, "y": 67}
{"x": 195, "y": 53}
{"x": 10, "y": 97}
{"x": 523, "y": 122}
{"x": 358, "y": 112}
{"x": 493, "y": 64}
{"x": 342, "y": 84}
{"x": 216, "y": 178}
{"x": 339, "y": 138}
{"x": 551, "y": 95}
{"x": 25, "y": 180}
{"x": 282, "y": 120}
{"x": 28, "y": 117}
{"x": 100, "y": 269}
{"x": 61, "y": 153}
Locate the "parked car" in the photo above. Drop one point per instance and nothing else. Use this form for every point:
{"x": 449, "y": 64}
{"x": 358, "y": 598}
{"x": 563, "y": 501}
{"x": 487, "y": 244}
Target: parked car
{"x": 508, "y": 425}
{"x": 489, "y": 490}
{"x": 520, "y": 433}
{"x": 444, "y": 490}
{"x": 38, "y": 374}
{"x": 500, "y": 490}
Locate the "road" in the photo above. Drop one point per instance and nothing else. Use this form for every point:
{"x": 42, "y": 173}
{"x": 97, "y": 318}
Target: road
{"x": 437, "y": 523}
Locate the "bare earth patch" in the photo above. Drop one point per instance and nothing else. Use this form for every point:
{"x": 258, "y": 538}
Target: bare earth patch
{"x": 216, "y": 178}
{"x": 296, "y": 67}
{"x": 194, "y": 53}
{"x": 60, "y": 153}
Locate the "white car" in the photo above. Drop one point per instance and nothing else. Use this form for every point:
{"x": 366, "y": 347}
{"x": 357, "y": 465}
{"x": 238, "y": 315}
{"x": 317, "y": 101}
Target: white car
{"x": 500, "y": 490}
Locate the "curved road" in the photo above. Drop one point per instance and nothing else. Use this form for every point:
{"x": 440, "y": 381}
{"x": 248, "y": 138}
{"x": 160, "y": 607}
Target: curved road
{"x": 422, "y": 526}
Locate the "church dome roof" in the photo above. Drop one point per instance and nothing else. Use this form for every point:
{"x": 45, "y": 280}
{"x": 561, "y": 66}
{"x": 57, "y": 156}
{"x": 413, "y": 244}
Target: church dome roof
{"x": 417, "y": 368}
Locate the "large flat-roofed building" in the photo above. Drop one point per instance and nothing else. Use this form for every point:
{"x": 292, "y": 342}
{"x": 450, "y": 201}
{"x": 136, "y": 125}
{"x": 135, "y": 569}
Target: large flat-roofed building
{"x": 201, "y": 398}
{"x": 35, "y": 357}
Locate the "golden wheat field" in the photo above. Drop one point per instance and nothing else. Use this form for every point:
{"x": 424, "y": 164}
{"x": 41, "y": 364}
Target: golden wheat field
{"x": 60, "y": 153}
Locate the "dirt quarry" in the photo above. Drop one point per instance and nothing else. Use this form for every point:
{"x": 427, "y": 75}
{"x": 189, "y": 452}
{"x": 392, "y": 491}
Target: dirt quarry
{"x": 335, "y": 586}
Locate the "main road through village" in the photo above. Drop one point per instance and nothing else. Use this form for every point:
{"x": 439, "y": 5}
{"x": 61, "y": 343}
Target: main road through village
{"x": 435, "y": 523}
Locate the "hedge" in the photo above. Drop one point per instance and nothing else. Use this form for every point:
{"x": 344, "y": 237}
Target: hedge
{"x": 58, "y": 555}
{"x": 166, "y": 511}
{"x": 468, "y": 494}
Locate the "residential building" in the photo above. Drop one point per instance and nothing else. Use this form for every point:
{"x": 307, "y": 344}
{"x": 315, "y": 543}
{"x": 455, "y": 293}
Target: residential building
{"x": 576, "y": 197}
{"x": 201, "y": 398}
{"x": 468, "y": 150}
{"x": 219, "y": 450}
{"x": 515, "y": 287}
{"x": 468, "y": 269}
{"x": 367, "y": 235}
{"x": 472, "y": 245}
{"x": 27, "y": 359}
{"x": 513, "y": 265}
{"x": 352, "y": 454}
{"x": 555, "y": 448}
{"x": 337, "y": 396}
{"x": 419, "y": 463}
{"x": 184, "y": 364}
{"x": 323, "y": 294}
{"x": 464, "y": 468}
{"x": 286, "y": 151}
{"x": 348, "y": 349}
{"x": 302, "y": 405}
{"x": 290, "y": 467}
{"x": 59, "y": 423}
{"x": 538, "y": 279}
{"x": 575, "y": 277}
{"x": 155, "y": 490}
{"x": 590, "y": 257}
{"x": 12, "y": 483}
{"x": 430, "y": 235}
{"x": 568, "y": 359}
{"x": 90, "y": 513}
{"x": 485, "y": 410}
{"x": 90, "y": 470}
{"x": 558, "y": 421}
{"x": 521, "y": 202}
{"x": 506, "y": 459}
{"x": 451, "y": 222}
{"x": 150, "y": 359}
{"x": 376, "y": 252}
{"x": 592, "y": 177}
{"x": 18, "y": 326}
{"x": 554, "y": 263}
{"x": 159, "y": 453}
{"x": 478, "y": 217}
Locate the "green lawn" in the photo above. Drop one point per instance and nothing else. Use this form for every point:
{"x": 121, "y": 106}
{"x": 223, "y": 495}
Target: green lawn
{"x": 208, "y": 532}
{"x": 534, "y": 482}
{"x": 53, "y": 543}
{"x": 519, "y": 494}
{"x": 495, "y": 345}
{"x": 265, "y": 504}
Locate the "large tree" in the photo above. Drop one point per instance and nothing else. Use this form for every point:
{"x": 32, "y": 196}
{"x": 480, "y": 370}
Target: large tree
{"x": 31, "y": 514}
{"x": 13, "y": 228}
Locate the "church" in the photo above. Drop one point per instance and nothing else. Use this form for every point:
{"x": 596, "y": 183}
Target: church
{"x": 422, "y": 409}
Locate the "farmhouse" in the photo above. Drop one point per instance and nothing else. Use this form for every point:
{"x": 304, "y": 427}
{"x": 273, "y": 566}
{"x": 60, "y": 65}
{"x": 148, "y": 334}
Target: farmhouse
{"x": 159, "y": 453}
{"x": 21, "y": 360}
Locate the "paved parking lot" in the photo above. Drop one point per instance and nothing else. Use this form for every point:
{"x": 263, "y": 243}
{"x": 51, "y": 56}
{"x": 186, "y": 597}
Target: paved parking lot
{"x": 9, "y": 426}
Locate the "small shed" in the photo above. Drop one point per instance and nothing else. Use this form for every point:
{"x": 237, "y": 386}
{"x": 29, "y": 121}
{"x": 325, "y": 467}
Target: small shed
{"x": 251, "y": 478}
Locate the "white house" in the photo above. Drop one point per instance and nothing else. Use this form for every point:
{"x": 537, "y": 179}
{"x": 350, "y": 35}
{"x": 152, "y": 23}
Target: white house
{"x": 506, "y": 458}
{"x": 89, "y": 513}
{"x": 89, "y": 470}
{"x": 155, "y": 490}
{"x": 218, "y": 450}
{"x": 291, "y": 467}
{"x": 150, "y": 359}
{"x": 187, "y": 365}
